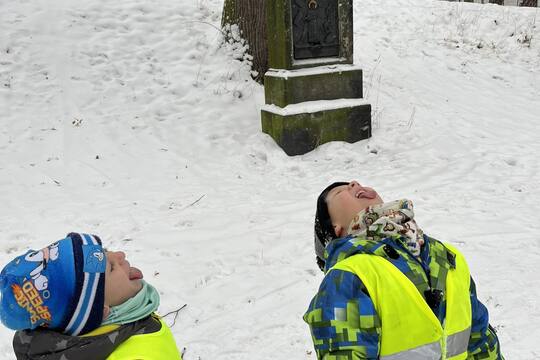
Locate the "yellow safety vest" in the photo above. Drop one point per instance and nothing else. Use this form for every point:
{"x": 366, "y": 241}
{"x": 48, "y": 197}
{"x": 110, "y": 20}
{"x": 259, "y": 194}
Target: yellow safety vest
{"x": 159, "y": 345}
{"x": 410, "y": 329}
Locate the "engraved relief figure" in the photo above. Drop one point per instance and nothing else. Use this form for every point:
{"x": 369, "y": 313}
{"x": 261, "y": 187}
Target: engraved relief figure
{"x": 314, "y": 25}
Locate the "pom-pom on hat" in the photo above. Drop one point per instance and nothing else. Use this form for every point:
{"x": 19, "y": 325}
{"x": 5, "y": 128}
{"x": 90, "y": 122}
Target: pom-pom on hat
{"x": 60, "y": 287}
{"x": 324, "y": 230}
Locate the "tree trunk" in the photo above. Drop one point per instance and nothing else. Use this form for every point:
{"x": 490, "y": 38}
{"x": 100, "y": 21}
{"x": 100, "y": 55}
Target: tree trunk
{"x": 250, "y": 16}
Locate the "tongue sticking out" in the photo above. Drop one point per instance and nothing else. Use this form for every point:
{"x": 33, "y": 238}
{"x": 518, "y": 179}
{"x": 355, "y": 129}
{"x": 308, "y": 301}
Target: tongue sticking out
{"x": 135, "y": 274}
{"x": 367, "y": 193}
{"x": 370, "y": 193}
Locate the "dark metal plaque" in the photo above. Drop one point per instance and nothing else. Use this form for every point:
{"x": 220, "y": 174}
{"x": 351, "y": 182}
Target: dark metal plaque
{"x": 315, "y": 28}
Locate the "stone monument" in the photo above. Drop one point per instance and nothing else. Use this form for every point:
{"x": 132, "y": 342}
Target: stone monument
{"x": 313, "y": 92}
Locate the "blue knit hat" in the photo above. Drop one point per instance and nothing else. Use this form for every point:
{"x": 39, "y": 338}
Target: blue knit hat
{"x": 60, "y": 287}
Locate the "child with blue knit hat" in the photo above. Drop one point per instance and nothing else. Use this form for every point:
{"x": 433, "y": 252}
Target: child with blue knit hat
{"x": 75, "y": 300}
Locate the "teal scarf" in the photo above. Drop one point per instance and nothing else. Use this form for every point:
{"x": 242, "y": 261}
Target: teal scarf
{"x": 138, "y": 307}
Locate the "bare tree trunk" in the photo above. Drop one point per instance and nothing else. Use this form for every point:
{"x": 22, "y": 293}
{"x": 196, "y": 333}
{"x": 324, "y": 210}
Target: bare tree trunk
{"x": 250, "y": 16}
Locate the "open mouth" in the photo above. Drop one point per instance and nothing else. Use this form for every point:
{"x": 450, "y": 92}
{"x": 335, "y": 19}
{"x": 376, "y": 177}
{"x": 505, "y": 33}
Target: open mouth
{"x": 135, "y": 274}
{"x": 365, "y": 193}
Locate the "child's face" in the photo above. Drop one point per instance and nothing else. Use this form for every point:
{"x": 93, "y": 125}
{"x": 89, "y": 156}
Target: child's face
{"x": 122, "y": 282}
{"x": 345, "y": 201}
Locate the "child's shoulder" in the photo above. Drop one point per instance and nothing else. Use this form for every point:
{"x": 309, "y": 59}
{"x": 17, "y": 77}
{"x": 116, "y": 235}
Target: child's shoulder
{"x": 99, "y": 344}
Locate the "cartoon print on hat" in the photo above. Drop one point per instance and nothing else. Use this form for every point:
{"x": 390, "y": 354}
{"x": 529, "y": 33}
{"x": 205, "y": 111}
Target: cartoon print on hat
{"x": 43, "y": 256}
{"x": 60, "y": 286}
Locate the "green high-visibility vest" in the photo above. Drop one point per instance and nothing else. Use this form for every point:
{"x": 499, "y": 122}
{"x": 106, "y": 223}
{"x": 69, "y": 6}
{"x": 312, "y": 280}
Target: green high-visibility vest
{"x": 159, "y": 345}
{"x": 410, "y": 329}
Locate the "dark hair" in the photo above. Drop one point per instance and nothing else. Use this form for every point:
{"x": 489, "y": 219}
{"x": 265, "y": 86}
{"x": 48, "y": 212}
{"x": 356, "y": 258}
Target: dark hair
{"x": 324, "y": 230}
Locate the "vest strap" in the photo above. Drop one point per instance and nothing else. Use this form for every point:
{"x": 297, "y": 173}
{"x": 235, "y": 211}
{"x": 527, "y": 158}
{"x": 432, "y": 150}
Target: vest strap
{"x": 425, "y": 352}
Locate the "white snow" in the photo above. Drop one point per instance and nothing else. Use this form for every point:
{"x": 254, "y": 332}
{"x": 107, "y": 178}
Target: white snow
{"x": 129, "y": 120}
{"x": 325, "y": 69}
{"x": 313, "y": 106}
{"x": 315, "y": 61}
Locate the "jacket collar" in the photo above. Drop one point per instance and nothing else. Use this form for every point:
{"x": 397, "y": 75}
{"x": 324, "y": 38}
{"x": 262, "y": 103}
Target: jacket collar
{"x": 342, "y": 248}
{"x": 48, "y": 344}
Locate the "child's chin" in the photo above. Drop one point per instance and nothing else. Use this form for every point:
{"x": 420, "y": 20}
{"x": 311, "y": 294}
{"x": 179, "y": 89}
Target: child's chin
{"x": 137, "y": 283}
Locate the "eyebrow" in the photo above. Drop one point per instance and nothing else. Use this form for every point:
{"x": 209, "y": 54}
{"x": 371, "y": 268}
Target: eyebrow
{"x": 335, "y": 190}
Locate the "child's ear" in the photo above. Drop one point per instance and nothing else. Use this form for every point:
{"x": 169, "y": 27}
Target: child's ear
{"x": 338, "y": 230}
{"x": 106, "y": 312}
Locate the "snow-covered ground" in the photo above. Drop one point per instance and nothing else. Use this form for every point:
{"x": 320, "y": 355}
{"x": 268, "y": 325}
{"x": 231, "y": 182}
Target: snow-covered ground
{"x": 129, "y": 120}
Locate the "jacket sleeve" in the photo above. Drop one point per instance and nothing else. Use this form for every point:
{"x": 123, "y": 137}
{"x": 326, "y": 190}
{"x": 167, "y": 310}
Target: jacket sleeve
{"x": 483, "y": 343}
{"x": 342, "y": 318}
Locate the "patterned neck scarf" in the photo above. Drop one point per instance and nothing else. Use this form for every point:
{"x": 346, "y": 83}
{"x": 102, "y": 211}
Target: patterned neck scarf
{"x": 394, "y": 219}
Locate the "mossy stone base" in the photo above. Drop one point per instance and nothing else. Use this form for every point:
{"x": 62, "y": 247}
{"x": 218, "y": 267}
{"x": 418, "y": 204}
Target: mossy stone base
{"x": 283, "y": 91}
{"x": 298, "y": 134}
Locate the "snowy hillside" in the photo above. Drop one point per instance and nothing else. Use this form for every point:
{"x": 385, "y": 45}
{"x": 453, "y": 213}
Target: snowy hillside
{"x": 129, "y": 120}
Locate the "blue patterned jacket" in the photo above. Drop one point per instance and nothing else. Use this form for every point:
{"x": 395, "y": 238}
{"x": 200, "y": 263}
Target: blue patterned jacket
{"x": 341, "y": 288}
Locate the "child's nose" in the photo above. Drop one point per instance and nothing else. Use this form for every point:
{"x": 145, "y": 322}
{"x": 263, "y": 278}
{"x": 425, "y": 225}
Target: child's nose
{"x": 118, "y": 256}
{"x": 121, "y": 255}
{"x": 353, "y": 184}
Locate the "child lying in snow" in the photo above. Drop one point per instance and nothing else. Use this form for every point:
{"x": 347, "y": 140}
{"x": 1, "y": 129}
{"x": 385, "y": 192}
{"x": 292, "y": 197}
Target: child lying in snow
{"x": 76, "y": 300}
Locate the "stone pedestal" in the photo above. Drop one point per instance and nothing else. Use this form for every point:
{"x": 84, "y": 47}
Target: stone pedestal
{"x": 313, "y": 93}
{"x": 282, "y": 87}
{"x": 298, "y": 129}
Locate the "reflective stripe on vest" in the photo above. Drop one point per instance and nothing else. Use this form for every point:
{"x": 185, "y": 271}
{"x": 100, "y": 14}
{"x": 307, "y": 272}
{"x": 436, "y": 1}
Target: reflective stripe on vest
{"x": 430, "y": 351}
{"x": 410, "y": 329}
{"x": 457, "y": 344}
{"x": 159, "y": 345}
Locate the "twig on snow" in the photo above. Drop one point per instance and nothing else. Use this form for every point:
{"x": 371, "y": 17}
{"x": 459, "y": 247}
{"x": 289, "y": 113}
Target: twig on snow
{"x": 209, "y": 24}
{"x": 193, "y": 203}
{"x": 175, "y": 312}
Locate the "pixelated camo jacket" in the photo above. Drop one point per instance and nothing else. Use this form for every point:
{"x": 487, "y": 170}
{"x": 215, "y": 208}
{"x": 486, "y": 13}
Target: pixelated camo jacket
{"x": 343, "y": 291}
{"x": 46, "y": 344}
